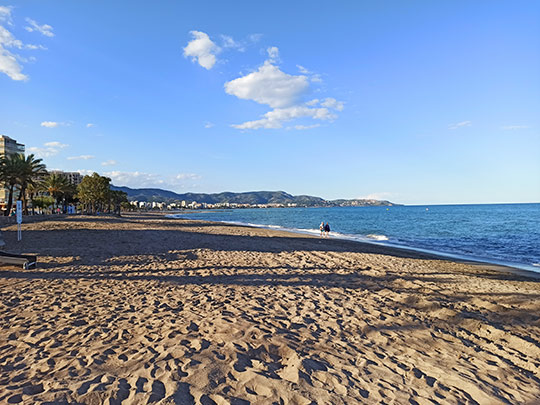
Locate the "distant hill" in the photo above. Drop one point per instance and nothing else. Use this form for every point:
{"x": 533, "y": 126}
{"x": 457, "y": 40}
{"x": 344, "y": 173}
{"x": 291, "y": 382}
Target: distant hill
{"x": 252, "y": 197}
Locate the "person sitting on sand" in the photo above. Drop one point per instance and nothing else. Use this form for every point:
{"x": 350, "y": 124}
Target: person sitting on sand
{"x": 321, "y": 227}
{"x": 327, "y": 229}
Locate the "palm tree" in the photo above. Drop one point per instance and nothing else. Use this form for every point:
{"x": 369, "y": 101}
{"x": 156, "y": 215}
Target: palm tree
{"x": 10, "y": 169}
{"x": 31, "y": 171}
{"x": 56, "y": 185}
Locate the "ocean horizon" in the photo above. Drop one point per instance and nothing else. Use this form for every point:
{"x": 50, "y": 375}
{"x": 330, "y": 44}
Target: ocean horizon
{"x": 505, "y": 234}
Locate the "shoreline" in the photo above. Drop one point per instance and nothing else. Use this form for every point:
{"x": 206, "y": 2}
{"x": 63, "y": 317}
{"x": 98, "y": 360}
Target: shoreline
{"x": 145, "y": 309}
{"x": 515, "y": 268}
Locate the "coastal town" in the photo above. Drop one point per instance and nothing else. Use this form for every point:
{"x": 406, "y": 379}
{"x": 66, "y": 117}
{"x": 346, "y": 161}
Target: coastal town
{"x": 54, "y": 191}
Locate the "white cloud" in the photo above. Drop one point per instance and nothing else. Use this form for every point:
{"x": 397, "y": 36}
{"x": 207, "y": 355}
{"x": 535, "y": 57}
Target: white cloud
{"x": 304, "y": 127}
{"x": 5, "y": 14}
{"x": 109, "y": 163}
{"x": 303, "y": 70}
{"x": 208, "y": 125}
{"x": 514, "y": 127}
{"x": 90, "y": 125}
{"x": 283, "y": 92}
{"x": 187, "y": 176}
{"x": 50, "y": 124}
{"x": 150, "y": 180}
{"x": 44, "y": 29}
{"x": 56, "y": 144}
{"x": 48, "y": 149}
{"x": 377, "y": 196}
{"x": 333, "y": 103}
{"x": 269, "y": 85}
{"x": 273, "y": 54}
{"x": 81, "y": 157}
{"x": 460, "y": 125}
{"x": 254, "y": 38}
{"x": 229, "y": 42}
{"x": 11, "y": 63}
{"x": 314, "y": 77}
{"x": 274, "y": 119}
{"x": 202, "y": 50}
{"x": 10, "y": 66}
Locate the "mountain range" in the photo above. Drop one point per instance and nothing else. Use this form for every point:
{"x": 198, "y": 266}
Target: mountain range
{"x": 251, "y": 197}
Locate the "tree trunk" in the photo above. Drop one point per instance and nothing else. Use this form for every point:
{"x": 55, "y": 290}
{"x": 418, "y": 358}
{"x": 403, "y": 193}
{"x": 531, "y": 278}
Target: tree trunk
{"x": 10, "y": 200}
{"x": 22, "y": 197}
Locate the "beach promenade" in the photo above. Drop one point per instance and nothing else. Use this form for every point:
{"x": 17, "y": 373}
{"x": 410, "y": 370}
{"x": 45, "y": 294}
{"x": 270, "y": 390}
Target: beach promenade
{"x": 145, "y": 309}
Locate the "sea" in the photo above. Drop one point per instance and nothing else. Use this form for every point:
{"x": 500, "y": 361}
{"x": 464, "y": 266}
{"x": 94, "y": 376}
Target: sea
{"x": 507, "y": 234}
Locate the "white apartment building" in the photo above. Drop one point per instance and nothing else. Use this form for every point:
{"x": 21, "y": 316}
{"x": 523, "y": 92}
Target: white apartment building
{"x": 8, "y": 146}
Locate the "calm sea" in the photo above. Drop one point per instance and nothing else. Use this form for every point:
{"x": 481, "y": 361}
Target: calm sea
{"x": 496, "y": 233}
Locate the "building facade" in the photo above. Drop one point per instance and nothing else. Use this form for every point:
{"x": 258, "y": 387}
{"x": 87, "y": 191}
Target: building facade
{"x": 8, "y": 146}
{"x": 74, "y": 178}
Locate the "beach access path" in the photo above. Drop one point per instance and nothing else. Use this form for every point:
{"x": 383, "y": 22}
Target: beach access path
{"x": 146, "y": 309}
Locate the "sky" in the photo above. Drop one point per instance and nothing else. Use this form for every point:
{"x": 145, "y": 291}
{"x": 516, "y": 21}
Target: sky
{"x": 416, "y": 102}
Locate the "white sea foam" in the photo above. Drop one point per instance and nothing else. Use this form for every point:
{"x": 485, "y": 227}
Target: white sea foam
{"x": 377, "y": 237}
{"x": 314, "y": 231}
{"x": 536, "y": 264}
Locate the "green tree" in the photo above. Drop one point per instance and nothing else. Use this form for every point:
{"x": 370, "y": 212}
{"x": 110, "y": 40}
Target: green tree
{"x": 57, "y": 186}
{"x": 42, "y": 202}
{"x": 30, "y": 172}
{"x": 117, "y": 198}
{"x": 94, "y": 192}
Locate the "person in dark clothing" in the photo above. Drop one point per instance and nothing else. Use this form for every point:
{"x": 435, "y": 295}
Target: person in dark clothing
{"x": 327, "y": 229}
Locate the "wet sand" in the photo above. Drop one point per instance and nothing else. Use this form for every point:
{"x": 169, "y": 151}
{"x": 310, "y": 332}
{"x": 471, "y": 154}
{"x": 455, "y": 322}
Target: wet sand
{"x": 145, "y": 309}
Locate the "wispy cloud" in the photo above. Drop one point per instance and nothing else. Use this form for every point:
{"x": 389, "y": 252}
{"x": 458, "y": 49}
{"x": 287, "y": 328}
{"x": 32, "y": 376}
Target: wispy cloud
{"x": 208, "y": 125}
{"x": 273, "y": 54}
{"x": 274, "y": 119}
{"x": 314, "y": 77}
{"x": 5, "y": 14}
{"x": 304, "y": 127}
{"x": 50, "y": 124}
{"x": 149, "y": 180}
{"x": 187, "y": 176}
{"x": 56, "y": 144}
{"x": 202, "y": 49}
{"x": 109, "y": 163}
{"x": 90, "y": 125}
{"x": 228, "y": 42}
{"x": 383, "y": 195}
{"x": 81, "y": 157}
{"x": 43, "y": 29}
{"x": 48, "y": 149}
{"x": 514, "y": 127}
{"x": 11, "y": 62}
{"x": 460, "y": 125}
{"x": 55, "y": 124}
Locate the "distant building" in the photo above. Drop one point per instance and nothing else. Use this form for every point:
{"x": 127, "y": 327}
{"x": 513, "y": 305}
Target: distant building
{"x": 74, "y": 178}
{"x": 8, "y": 146}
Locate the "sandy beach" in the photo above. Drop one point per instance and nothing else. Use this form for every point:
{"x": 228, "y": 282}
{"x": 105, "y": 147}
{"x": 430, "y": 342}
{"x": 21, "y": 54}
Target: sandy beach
{"x": 144, "y": 309}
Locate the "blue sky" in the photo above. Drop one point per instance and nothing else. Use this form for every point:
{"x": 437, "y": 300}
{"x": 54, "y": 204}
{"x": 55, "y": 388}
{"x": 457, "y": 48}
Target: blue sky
{"x": 416, "y": 102}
